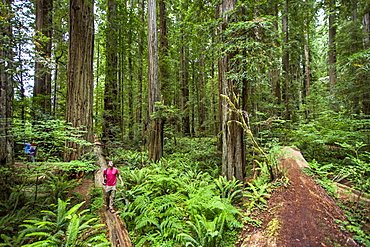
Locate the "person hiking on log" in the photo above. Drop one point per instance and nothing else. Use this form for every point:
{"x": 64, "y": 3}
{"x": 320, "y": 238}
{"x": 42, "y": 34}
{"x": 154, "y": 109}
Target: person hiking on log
{"x": 110, "y": 181}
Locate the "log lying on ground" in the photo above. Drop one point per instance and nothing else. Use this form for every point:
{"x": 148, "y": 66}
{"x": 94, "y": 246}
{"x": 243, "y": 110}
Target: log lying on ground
{"x": 299, "y": 214}
{"x": 118, "y": 233}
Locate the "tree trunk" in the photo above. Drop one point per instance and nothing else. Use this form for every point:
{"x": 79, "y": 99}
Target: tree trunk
{"x": 6, "y": 100}
{"x": 155, "y": 151}
{"x": 22, "y": 90}
{"x": 139, "y": 109}
{"x": 111, "y": 126}
{"x": 366, "y": 30}
{"x": 233, "y": 148}
{"x": 285, "y": 61}
{"x": 275, "y": 74}
{"x": 366, "y": 21}
{"x": 307, "y": 67}
{"x": 79, "y": 105}
{"x": 130, "y": 98}
{"x": 42, "y": 87}
{"x": 332, "y": 48}
{"x": 184, "y": 90}
{"x": 163, "y": 53}
{"x": 201, "y": 94}
{"x": 56, "y": 74}
{"x": 121, "y": 86}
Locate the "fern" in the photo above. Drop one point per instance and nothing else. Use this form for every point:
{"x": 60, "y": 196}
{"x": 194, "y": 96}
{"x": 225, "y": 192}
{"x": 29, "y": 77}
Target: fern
{"x": 72, "y": 231}
{"x": 66, "y": 227}
{"x": 145, "y": 221}
{"x": 9, "y": 223}
{"x": 257, "y": 194}
{"x": 204, "y": 232}
{"x": 165, "y": 198}
{"x": 231, "y": 189}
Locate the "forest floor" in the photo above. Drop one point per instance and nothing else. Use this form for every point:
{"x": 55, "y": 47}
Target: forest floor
{"x": 300, "y": 214}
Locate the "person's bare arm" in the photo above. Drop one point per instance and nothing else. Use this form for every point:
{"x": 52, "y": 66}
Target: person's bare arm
{"x": 120, "y": 178}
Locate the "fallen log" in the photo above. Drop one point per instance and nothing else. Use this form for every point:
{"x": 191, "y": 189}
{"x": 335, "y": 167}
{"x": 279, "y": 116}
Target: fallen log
{"x": 118, "y": 233}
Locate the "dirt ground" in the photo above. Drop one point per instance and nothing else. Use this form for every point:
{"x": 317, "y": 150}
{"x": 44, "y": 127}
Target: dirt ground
{"x": 300, "y": 215}
{"x": 83, "y": 189}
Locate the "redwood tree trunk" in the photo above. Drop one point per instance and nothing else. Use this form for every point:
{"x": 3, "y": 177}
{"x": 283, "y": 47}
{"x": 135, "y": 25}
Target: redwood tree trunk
{"x": 112, "y": 115}
{"x": 155, "y": 151}
{"x": 307, "y": 66}
{"x": 163, "y": 53}
{"x": 366, "y": 96}
{"x": 42, "y": 87}
{"x": 233, "y": 148}
{"x": 6, "y": 101}
{"x": 275, "y": 74}
{"x": 285, "y": 61}
{"x": 366, "y": 23}
{"x": 140, "y": 69}
{"x": 184, "y": 77}
{"x": 202, "y": 109}
{"x": 79, "y": 105}
{"x": 332, "y": 48}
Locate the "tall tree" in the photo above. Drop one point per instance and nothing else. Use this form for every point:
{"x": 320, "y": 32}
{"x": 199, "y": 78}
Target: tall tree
{"x": 366, "y": 30}
{"x": 140, "y": 73}
{"x": 155, "y": 122}
{"x": 79, "y": 105}
{"x": 233, "y": 147}
{"x": 112, "y": 115}
{"x": 285, "y": 60}
{"x": 332, "y": 59}
{"x": 6, "y": 95}
{"x": 201, "y": 95}
{"x": 163, "y": 52}
{"x": 366, "y": 23}
{"x": 59, "y": 55}
{"x": 275, "y": 74}
{"x": 184, "y": 78}
{"x": 308, "y": 24}
{"x": 42, "y": 87}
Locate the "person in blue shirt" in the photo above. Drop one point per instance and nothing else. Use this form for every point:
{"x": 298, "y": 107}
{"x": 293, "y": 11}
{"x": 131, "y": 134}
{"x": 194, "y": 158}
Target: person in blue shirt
{"x": 33, "y": 150}
{"x": 27, "y": 148}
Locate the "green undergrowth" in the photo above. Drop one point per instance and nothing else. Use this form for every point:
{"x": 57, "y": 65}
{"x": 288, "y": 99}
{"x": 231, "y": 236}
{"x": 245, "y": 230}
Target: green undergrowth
{"x": 49, "y": 213}
{"x": 174, "y": 206}
{"x": 179, "y": 201}
{"x": 182, "y": 200}
{"x": 44, "y": 209}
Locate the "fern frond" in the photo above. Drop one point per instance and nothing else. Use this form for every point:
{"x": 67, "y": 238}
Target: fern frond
{"x": 41, "y": 243}
{"x": 193, "y": 242}
{"x": 74, "y": 209}
{"x": 73, "y": 230}
{"x": 144, "y": 221}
